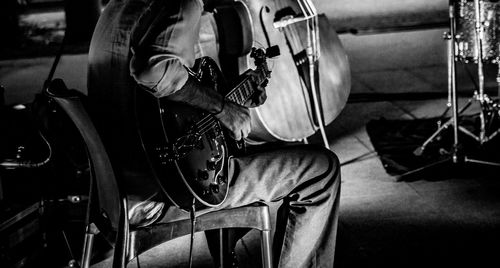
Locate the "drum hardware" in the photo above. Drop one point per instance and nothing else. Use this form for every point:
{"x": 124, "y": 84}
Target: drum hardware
{"x": 489, "y": 107}
{"x": 488, "y": 23}
{"x": 485, "y": 21}
{"x": 482, "y": 18}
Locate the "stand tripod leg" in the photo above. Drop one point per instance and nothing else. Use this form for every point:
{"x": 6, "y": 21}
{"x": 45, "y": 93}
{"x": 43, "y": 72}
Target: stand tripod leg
{"x": 494, "y": 134}
{"x": 452, "y": 101}
{"x": 410, "y": 174}
{"x": 420, "y": 150}
{"x": 481, "y": 162}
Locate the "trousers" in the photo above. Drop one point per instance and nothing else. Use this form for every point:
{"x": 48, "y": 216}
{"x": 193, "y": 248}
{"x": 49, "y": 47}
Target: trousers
{"x": 306, "y": 180}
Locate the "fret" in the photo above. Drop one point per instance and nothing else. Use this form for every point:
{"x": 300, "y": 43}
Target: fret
{"x": 244, "y": 90}
{"x": 229, "y": 97}
{"x": 239, "y": 96}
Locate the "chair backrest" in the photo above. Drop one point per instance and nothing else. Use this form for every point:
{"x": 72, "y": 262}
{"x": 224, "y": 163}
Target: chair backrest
{"x": 109, "y": 194}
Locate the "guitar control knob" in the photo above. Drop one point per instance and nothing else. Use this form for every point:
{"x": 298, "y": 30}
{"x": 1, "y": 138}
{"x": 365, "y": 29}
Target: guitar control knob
{"x": 202, "y": 175}
{"x": 222, "y": 179}
{"x": 206, "y": 192}
{"x": 214, "y": 188}
{"x": 211, "y": 165}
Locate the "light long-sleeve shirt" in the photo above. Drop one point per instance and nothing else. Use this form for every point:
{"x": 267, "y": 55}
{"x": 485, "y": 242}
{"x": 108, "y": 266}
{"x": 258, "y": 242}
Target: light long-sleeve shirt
{"x": 161, "y": 52}
{"x": 141, "y": 44}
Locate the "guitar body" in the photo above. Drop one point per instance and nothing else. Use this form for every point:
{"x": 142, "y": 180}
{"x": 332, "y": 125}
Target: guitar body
{"x": 186, "y": 146}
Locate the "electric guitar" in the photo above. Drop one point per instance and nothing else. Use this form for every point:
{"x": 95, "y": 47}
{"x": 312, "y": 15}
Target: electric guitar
{"x": 187, "y": 147}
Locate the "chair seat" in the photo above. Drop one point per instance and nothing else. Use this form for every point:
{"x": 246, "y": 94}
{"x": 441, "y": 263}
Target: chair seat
{"x": 255, "y": 216}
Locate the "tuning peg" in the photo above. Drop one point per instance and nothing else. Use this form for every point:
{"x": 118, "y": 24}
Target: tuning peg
{"x": 273, "y": 51}
{"x": 257, "y": 52}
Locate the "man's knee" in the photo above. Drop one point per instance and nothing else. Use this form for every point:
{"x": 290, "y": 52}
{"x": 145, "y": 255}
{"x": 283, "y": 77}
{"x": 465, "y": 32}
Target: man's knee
{"x": 332, "y": 170}
{"x": 332, "y": 166}
{"x": 325, "y": 169}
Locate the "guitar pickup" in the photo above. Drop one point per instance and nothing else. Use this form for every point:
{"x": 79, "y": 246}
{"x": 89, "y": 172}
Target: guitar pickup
{"x": 166, "y": 154}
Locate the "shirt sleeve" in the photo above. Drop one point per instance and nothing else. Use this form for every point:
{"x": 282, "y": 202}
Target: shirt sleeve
{"x": 160, "y": 66}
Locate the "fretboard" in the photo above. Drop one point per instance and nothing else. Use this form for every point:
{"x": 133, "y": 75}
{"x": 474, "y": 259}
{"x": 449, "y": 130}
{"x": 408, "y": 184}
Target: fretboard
{"x": 244, "y": 89}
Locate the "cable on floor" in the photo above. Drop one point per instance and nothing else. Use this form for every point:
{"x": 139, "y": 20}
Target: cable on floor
{"x": 362, "y": 157}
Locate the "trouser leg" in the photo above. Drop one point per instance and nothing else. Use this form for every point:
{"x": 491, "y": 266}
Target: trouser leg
{"x": 307, "y": 179}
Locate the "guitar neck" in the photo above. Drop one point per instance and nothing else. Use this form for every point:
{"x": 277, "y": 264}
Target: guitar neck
{"x": 245, "y": 89}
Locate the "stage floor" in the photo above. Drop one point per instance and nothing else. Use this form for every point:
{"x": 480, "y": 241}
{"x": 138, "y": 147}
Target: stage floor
{"x": 430, "y": 221}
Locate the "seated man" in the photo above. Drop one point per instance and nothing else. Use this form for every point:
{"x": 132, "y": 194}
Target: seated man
{"x": 147, "y": 45}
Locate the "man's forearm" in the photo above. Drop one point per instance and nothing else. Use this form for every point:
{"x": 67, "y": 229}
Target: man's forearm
{"x": 198, "y": 95}
{"x": 234, "y": 117}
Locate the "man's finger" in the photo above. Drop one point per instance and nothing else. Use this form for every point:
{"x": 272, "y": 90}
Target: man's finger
{"x": 262, "y": 98}
{"x": 237, "y": 136}
{"x": 264, "y": 84}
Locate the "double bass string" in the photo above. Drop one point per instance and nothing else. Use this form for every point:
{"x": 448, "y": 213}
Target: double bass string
{"x": 292, "y": 38}
{"x": 313, "y": 44}
{"x": 312, "y": 55}
{"x": 311, "y": 16}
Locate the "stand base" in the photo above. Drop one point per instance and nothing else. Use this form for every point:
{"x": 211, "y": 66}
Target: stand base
{"x": 448, "y": 165}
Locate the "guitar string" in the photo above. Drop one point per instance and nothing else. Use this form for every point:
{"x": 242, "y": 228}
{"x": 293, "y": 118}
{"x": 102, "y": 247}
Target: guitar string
{"x": 210, "y": 123}
{"x": 202, "y": 126}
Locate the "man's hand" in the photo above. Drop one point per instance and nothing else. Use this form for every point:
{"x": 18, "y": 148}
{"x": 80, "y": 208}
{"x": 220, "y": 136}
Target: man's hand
{"x": 259, "y": 96}
{"x": 236, "y": 119}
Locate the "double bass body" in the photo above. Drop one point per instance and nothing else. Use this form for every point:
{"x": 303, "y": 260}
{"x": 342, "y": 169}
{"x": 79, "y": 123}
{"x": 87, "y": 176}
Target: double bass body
{"x": 288, "y": 114}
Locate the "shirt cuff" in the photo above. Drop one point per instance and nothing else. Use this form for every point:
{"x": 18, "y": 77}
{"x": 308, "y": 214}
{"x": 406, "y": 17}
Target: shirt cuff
{"x": 162, "y": 75}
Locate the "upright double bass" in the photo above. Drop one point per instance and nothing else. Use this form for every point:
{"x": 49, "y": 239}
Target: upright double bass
{"x": 311, "y": 79}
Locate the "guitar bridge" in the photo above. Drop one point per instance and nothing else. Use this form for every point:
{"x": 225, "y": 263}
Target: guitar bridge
{"x": 166, "y": 154}
{"x": 179, "y": 149}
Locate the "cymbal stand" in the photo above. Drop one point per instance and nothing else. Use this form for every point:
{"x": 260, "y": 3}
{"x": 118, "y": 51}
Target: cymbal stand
{"x": 452, "y": 91}
{"x": 456, "y": 156}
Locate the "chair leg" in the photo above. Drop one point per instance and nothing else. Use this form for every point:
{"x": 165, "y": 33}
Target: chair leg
{"x": 226, "y": 249}
{"x": 88, "y": 244}
{"x": 212, "y": 237}
{"x": 122, "y": 238}
{"x": 265, "y": 245}
{"x": 87, "y": 250}
{"x": 221, "y": 243}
